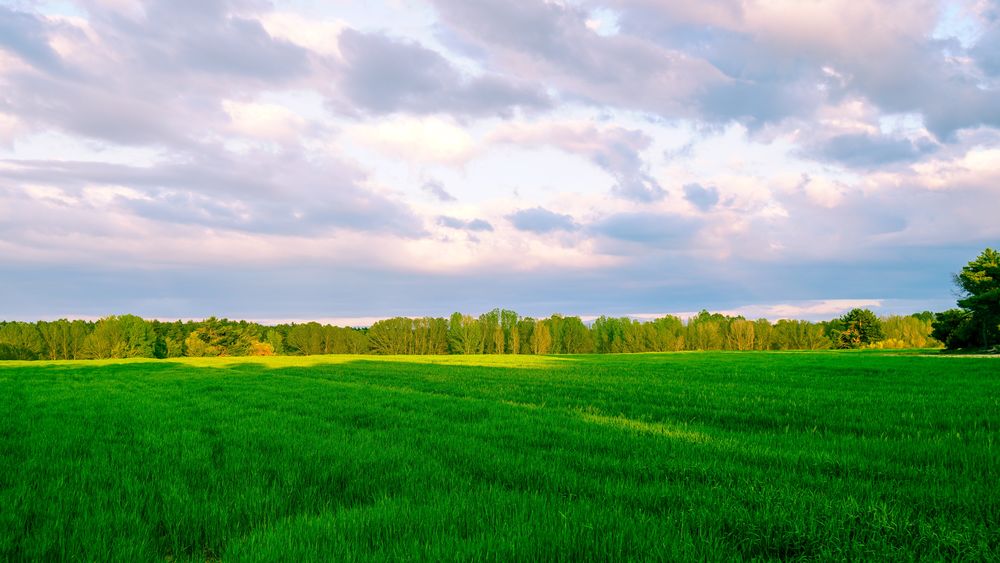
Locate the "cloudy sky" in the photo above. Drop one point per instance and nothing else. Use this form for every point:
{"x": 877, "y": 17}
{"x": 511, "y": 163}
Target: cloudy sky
{"x": 356, "y": 159}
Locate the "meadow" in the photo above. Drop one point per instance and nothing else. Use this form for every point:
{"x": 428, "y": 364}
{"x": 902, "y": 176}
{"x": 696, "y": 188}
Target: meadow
{"x": 678, "y": 456}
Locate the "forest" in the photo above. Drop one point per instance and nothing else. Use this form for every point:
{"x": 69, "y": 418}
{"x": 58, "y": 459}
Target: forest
{"x": 499, "y": 331}
{"x": 975, "y": 325}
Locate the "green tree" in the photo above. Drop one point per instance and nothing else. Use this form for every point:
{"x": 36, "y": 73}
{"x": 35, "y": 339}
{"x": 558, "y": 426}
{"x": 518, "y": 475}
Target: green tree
{"x": 861, "y": 328}
{"x": 979, "y": 282}
{"x": 667, "y": 334}
{"x": 489, "y": 323}
{"x": 607, "y": 334}
{"x": 954, "y": 328}
{"x": 305, "y": 339}
{"x": 508, "y": 322}
{"x": 392, "y": 336}
{"x": 222, "y": 337}
{"x": 525, "y": 330}
{"x": 19, "y": 341}
{"x": 762, "y": 333}
{"x": 125, "y": 336}
{"x": 705, "y": 331}
{"x": 576, "y": 339}
{"x": 465, "y": 335}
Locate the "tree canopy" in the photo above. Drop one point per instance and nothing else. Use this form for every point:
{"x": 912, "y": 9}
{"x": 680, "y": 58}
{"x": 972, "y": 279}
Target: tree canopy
{"x": 977, "y": 322}
{"x": 499, "y": 331}
{"x": 860, "y": 327}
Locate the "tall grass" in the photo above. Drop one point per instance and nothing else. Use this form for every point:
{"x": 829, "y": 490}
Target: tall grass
{"x": 863, "y": 456}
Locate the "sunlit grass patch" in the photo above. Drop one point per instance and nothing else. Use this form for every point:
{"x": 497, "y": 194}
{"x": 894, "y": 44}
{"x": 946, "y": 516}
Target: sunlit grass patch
{"x": 639, "y": 426}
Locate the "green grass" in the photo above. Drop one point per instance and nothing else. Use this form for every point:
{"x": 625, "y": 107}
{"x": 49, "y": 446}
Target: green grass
{"x": 862, "y": 456}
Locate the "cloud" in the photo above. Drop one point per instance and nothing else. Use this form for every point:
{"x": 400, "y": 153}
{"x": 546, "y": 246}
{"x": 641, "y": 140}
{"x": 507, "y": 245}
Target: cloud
{"x": 154, "y": 77}
{"x": 774, "y": 54}
{"x": 463, "y": 224}
{"x": 646, "y": 228}
{"x": 320, "y": 36}
{"x": 10, "y": 128}
{"x": 180, "y": 135}
{"x": 421, "y": 139}
{"x": 616, "y": 150}
{"x": 259, "y": 192}
{"x": 239, "y": 47}
{"x": 701, "y": 197}
{"x": 380, "y": 75}
{"x": 812, "y": 310}
{"x": 27, "y": 36}
{"x": 987, "y": 50}
{"x": 539, "y": 220}
{"x": 551, "y": 42}
{"x": 863, "y": 150}
{"x": 436, "y": 189}
{"x": 264, "y": 121}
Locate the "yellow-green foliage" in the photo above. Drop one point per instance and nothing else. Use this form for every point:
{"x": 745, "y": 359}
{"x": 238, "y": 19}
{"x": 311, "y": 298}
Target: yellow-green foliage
{"x": 906, "y": 332}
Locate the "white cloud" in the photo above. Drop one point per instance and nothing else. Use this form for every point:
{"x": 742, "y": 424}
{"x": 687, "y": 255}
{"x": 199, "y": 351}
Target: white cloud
{"x": 810, "y": 310}
{"x": 49, "y": 194}
{"x": 264, "y": 121}
{"x": 102, "y": 196}
{"x": 320, "y": 35}
{"x": 10, "y": 129}
{"x": 824, "y": 192}
{"x": 978, "y": 166}
{"x": 428, "y": 139}
{"x": 824, "y": 309}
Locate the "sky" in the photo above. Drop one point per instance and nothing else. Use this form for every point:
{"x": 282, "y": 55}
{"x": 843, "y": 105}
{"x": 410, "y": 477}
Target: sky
{"x": 350, "y": 160}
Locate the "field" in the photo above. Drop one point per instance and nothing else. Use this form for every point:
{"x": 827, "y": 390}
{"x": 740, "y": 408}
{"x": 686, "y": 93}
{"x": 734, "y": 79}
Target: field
{"x": 863, "y": 456}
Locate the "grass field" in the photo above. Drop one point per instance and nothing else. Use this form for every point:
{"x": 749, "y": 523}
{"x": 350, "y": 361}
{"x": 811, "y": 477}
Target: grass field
{"x": 864, "y": 456}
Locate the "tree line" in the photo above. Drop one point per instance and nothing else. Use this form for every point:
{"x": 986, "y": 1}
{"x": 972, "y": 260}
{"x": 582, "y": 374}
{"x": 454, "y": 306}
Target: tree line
{"x": 499, "y": 331}
{"x": 975, "y": 324}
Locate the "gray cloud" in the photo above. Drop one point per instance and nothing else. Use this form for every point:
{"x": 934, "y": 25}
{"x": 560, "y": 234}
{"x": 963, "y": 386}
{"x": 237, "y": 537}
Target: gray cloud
{"x": 541, "y": 220}
{"x": 923, "y": 80}
{"x": 381, "y": 74}
{"x": 987, "y": 49}
{"x": 260, "y": 192}
{"x": 704, "y": 198}
{"x": 771, "y": 76}
{"x": 621, "y": 159}
{"x": 863, "y": 150}
{"x": 646, "y": 228}
{"x": 153, "y": 79}
{"x": 240, "y": 46}
{"x": 462, "y": 224}
{"x": 550, "y": 42}
{"x": 26, "y": 36}
{"x": 436, "y": 189}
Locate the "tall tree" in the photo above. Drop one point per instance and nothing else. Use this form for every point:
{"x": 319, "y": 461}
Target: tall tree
{"x": 576, "y": 339}
{"x": 979, "y": 282}
{"x": 508, "y": 322}
{"x": 741, "y": 335}
{"x": 465, "y": 335}
{"x": 541, "y": 338}
{"x": 489, "y": 323}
